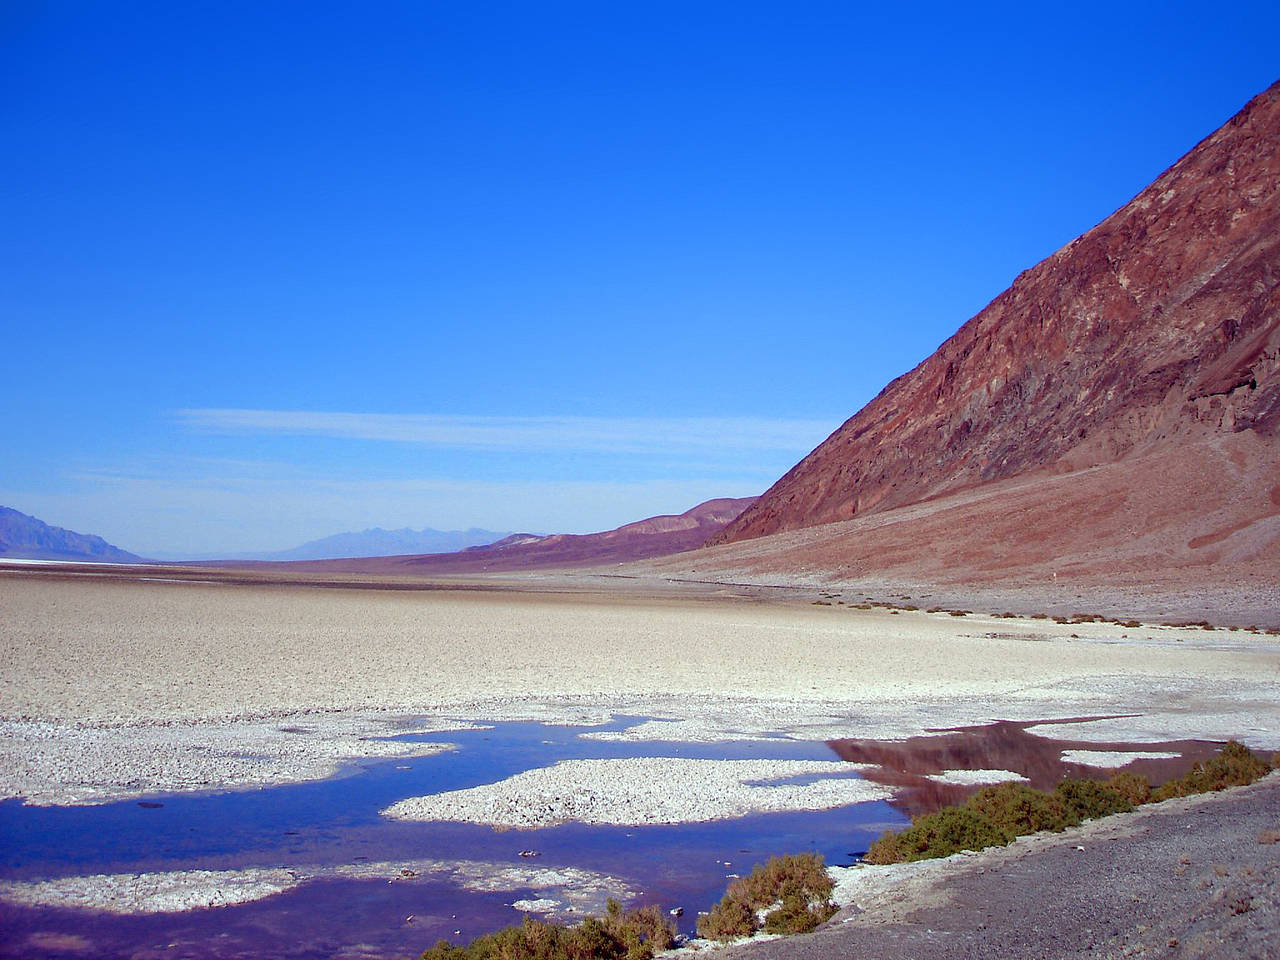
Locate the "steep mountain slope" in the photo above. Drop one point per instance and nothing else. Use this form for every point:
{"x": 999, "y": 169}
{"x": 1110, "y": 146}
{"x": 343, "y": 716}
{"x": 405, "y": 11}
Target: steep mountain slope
{"x": 653, "y": 537}
{"x": 1156, "y": 332}
{"x": 26, "y": 538}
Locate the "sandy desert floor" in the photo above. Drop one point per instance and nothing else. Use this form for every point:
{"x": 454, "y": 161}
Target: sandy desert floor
{"x": 118, "y": 688}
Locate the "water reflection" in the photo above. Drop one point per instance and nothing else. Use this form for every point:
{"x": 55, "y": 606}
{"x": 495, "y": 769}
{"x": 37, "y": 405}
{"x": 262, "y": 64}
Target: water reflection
{"x": 337, "y": 821}
{"x": 1001, "y": 745}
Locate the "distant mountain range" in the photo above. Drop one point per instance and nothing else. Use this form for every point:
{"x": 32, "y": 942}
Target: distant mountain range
{"x": 643, "y": 539}
{"x": 374, "y": 542}
{"x": 23, "y": 537}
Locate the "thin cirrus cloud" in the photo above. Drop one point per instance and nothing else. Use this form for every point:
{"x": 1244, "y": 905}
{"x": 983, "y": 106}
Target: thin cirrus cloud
{"x": 610, "y": 435}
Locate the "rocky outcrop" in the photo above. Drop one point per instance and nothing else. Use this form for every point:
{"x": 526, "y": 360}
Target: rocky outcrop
{"x": 1160, "y": 326}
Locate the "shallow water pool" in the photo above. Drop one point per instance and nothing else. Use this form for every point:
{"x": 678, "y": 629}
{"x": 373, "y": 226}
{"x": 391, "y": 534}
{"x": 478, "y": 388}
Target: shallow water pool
{"x": 319, "y": 826}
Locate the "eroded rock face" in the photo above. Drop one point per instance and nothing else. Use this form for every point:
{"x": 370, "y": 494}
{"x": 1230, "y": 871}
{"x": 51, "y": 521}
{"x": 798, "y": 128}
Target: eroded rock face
{"x": 1160, "y": 325}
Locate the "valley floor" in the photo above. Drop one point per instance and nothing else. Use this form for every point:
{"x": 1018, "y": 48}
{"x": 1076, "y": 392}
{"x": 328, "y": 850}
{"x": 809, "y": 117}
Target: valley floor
{"x": 116, "y": 687}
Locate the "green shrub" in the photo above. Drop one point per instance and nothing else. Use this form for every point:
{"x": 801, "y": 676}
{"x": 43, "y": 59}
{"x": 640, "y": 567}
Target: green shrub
{"x": 798, "y": 914}
{"x": 729, "y": 919}
{"x": 1017, "y": 809}
{"x": 794, "y": 889}
{"x": 633, "y": 935}
{"x": 939, "y": 834}
{"x": 1234, "y": 766}
{"x": 1089, "y": 799}
{"x": 1135, "y": 789}
{"x": 995, "y": 815}
{"x": 641, "y": 932}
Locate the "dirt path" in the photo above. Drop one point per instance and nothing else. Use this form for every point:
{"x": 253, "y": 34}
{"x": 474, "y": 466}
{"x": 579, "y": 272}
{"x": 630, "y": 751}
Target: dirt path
{"x": 1187, "y": 878}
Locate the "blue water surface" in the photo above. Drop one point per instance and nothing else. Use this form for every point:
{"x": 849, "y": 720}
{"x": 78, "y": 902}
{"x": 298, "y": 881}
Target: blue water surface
{"x": 337, "y": 821}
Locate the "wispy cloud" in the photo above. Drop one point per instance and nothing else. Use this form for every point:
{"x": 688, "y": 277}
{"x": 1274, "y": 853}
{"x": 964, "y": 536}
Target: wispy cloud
{"x": 612, "y": 435}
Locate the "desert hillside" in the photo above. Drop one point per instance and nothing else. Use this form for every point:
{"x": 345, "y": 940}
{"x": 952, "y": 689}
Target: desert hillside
{"x": 1150, "y": 343}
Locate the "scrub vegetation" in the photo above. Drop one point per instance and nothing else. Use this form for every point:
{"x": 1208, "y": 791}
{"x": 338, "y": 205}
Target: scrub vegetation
{"x": 791, "y": 894}
{"x": 995, "y": 815}
{"x": 785, "y": 895}
{"x": 618, "y": 935}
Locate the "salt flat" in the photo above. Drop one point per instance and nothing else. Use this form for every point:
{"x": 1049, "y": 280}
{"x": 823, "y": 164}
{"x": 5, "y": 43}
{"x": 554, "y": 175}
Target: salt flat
{"x": 121, "y": 677}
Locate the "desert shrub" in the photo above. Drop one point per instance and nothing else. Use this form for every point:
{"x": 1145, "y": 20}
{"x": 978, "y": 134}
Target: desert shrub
{"x": 728, "y": 920}
{"x": 1135, "y": 789}
{"x": 1017, "y": 809}
{"x": 1235, "y": 765}
{"x": 620, "y": 935}
{"x": 995, "y": 815}
{"x": 798, "y": 914}
{"x": 794, "y": 889}
{"x": 804, "y": 872}
{"x": 1089, "y": 799}
{"x": 641, "y": 932}
{"x": 939, "y": 834}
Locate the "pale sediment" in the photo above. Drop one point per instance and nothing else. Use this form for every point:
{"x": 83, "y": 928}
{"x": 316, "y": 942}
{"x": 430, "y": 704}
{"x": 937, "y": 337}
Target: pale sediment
{"x": 975, "y": 777}
{"x": 164, "y": 892}
{"x": 54, "y": 762}
{"x": 1112, "y": 759}
{"x": 646, "y": 790}
{"x": 561, "y": 889}
{"x": 177, "y": 686}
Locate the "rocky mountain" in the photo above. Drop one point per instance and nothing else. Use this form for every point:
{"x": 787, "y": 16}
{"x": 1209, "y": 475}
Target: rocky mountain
{"x": 26, "y": 538}
{"x": 1154, "y": 337}
{"x": 643, "y": 539}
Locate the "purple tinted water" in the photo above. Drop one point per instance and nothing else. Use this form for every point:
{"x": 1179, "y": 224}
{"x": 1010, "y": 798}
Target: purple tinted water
{"x": 336, "y": 821}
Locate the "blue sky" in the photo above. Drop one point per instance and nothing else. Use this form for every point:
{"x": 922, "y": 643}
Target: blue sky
{"x": 273, "y": 271}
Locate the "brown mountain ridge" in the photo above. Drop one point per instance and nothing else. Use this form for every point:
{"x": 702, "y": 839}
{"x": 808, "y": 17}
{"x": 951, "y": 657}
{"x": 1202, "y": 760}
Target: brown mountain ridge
{"x": 643, "y": 539}
{"x": 1155, "y": 331}
{"x": 1103, "y": 435}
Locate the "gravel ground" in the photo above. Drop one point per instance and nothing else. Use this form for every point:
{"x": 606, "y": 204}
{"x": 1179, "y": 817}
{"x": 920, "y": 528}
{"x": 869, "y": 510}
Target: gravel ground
{"x": 1198, "y": 877}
